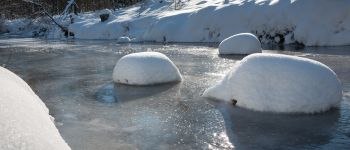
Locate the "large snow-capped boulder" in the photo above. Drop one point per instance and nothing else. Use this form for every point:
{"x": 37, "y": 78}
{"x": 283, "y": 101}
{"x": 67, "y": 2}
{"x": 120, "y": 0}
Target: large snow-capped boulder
{"x": 242, "y": 43}
{"x": 25, "y": 122}
{"x": 279, "y": 83}
{"x": 145, "y": 68}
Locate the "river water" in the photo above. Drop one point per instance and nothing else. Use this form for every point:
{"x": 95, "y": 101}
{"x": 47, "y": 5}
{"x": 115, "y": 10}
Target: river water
{"x": 74, "y": 79}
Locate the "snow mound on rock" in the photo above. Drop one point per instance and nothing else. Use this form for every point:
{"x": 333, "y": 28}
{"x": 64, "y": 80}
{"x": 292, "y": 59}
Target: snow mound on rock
{"x": 242, "y": 43}
{"x": 25, "y": 122}
{"x": 279, "y": 83}
{"x": 105, "y": 11}
{"x": 145, "y": 68}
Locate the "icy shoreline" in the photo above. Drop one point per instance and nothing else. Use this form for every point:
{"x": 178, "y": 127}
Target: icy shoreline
{"x": 272, "y": 21}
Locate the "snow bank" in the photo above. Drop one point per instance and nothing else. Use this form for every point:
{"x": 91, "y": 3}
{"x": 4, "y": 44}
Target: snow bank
{"x": 273, "y": 21}
{"x": 25, "y": 122}
{"x": 242, "y": 43}
{"x": 145, "y": 68}
{"x": 279, "y": 83}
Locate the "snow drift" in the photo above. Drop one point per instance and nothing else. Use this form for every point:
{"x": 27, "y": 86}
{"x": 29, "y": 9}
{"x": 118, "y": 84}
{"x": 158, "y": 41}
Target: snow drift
{"x": 279, "y": 83}
{"x": 25, "y": 122}
{"x": 242, "y": 43}
{"x": 145, "y": 68}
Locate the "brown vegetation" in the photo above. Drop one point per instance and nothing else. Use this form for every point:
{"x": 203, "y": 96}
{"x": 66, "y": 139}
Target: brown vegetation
{"x": 12, "y": 9}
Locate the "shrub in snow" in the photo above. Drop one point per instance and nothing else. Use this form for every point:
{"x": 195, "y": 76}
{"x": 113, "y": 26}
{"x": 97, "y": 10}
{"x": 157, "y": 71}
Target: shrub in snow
{"x": 25, "y": 122}
{"x": 243, "y": 43}
{"x": 145, "y": 68}
{"x": 124, "y": 39}
{"x": 279, "y": 83}
{"x": 2, "y": 23}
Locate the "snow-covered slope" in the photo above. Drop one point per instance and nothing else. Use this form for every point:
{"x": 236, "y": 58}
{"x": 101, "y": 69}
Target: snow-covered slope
{"x": 279, "y": 83}
{"x": 311, "y": 22}
{"x": 145, "y": 68}
{"x": 25, "y": 122}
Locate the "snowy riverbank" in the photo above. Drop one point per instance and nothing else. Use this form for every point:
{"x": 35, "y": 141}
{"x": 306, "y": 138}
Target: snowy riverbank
{"x": 310, "y": 22}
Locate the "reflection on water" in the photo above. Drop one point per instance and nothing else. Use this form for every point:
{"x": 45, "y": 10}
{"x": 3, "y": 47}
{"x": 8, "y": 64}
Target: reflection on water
{"x": 233, "y": 57}
{"x": 74, "y": 79}
{"x": 125, "y": 93}
{"x": 256, "y": 130}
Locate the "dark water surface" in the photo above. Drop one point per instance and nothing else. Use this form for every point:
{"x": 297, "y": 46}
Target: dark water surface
{"x": 74, "y": 79}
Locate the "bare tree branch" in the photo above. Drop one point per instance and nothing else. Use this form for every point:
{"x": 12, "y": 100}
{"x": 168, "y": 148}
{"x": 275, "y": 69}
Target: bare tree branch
{"x": 64, "y": 29}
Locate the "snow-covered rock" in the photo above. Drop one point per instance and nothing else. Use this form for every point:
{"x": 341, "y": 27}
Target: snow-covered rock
{"x": 25, "y": 122}
{"x": 105, "y": 11}
{"x": 124, "y": 39}
{"x": 279, "y": 83}
{"x": 242, "y": 43}
{"x": 105, "y": 14}
{"x": 145, "y": 68}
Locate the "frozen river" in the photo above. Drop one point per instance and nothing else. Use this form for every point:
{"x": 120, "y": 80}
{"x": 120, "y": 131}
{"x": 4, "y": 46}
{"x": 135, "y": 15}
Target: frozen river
{"x": 74, "y": 79}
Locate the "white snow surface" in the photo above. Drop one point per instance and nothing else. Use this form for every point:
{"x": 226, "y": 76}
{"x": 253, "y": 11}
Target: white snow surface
{"x": 145, "y": 68}
{"x": 242, "y": 43}
{"x": 278, "y": 21}
{"x": 279, "y": 83}
{"x": 25, "y": 122}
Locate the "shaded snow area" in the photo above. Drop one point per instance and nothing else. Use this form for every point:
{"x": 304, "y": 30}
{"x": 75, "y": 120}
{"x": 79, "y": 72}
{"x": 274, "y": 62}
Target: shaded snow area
{"x": 25, "y": 121}
{"x": 279, "y": 83}
{"x": 308, "y": 22}
{"x": 145, "y": 68}
{"x": 243, "y": 43}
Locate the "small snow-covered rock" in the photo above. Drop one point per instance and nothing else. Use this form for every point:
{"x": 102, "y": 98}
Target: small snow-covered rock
{"x": 124, "y": 39}
{"x": 104, "y": 11}
{"x": 279, "y": 83}
{"x": 243, "y": 43}
{"x": 145, "y": 68}
{"x": 105, "y": 14}
{"x": 25, "y": 122}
